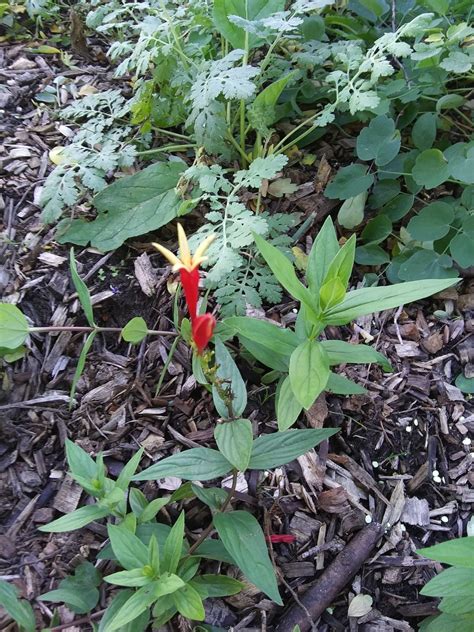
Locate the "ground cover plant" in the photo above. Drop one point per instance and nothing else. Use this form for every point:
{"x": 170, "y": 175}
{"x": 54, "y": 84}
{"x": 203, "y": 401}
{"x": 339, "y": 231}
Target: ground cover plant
{"x": 319, "y": 158}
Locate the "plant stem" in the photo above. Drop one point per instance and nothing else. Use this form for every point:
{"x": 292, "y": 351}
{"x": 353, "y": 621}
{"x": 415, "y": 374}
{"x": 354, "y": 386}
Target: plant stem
{"x": 210, "y": 527}
{"x": 151, "y": 332}
{"x": 166, "y": 365}
{"x": 166, "y": 149}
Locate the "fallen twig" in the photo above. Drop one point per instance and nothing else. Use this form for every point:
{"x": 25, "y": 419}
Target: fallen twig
{"x": 332, "y": 581}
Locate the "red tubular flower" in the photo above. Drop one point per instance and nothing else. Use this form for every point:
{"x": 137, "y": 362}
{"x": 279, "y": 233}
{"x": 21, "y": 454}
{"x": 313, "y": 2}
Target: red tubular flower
{"x": 202, "y": 328}
{"x": 283, "y": 537}
{"x": 190, "y": 283}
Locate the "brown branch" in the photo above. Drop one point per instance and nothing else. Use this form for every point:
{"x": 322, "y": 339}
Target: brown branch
{"x": 336, "y": 576}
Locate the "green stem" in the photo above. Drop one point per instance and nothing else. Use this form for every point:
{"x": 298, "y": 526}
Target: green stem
{"x": 210, "y": 527}
{"x": 166, "y": 365}
{"x": 40, "y": 330}
{"x": 166, "y": 149}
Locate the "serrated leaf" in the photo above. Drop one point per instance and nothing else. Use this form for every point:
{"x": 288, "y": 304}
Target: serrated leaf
{"x": 244, "y": 539}
{"x": 256, "y": 10}
{"x": 13, "y": 326}
{"x": 135, "y": 330}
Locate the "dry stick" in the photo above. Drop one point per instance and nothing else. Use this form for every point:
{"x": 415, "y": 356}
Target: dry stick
{"x": 320, "y": 596}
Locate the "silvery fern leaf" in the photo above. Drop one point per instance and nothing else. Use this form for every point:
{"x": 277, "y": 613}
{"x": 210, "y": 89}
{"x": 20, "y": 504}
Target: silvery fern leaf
{"x": 222, "y": 77}
{"x": 260, "y": 169}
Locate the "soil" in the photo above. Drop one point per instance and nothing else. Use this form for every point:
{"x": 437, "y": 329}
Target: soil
{"x": 400, "y": 455}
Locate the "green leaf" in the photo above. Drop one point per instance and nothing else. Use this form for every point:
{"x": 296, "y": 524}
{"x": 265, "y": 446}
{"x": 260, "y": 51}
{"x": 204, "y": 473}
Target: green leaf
{"x": 457, "y": 552}
{"x": 349, "y": 182}
{"x": 214, "y": 550}
{"x": 351, "y": 213}
{"x": 423, "y": 132}
{"x": 231, "y": 383}
{"x": 309, "y": 372}
{"x": 265, "y": 355}
{"x": 142, "y": 599}
{"x": 379, "y": 141}
{"x": 376, "y": 299}
{"x": 132, "y": 206}
{"x": 341, "y": 385}
{"x": 341, "y": 266}
{"x": 284, "y": 272}
{"x": 82, "y": 290}
{"x": 371, "y": 255}
{"x": 189, "y": 603}
{"x": 214, "y": 497}
{"x": 431, "y": 168}
{"x": 325, "y": 248}
{"x": 280, "y": 340}
{"x": 331, "y": 293}
{"x": 340, "y": 352}
{"x": 255, "y": 10}
{"x": 456, "y": 605}
{"x": 465, "y": 384}
{"x": 188, "y": 567}
{"x": 13, "y": 326}
{"x": 197, "y": 464}
{"x": 76, "y": 519}
{"x": 135, "y": 330}
{"x": 447, "y": 622}
{"x": 244, "y": 539}
{"x": 216, "y": 586}
{"x": 81, "y": 363}
{"x": 453, "y": 582}
{"x": 12, "y": 355}
{"x": 427, "y": 264}
{"x": 138, "y": 624}
{"x": 432, "y": 222}
{"x": 134, "y": 578}
{"x": 173, "y": 546}
{"x": 460, "y": 159}
{"x": 234, "y": 440}
{"x": 279, "y": 448}
{"x": 79, "y": 461}
{"x": 18, "y": 609}
{"x": 127, "y": 547}
{"x": 262, "y": 114}
{"x": 377, "y": 230}
{"x": 153, "y": 508}
{"x": 449, "y": 102}
{"x": 398, "y": 207}
{"x": 288, "y": 407}
{"x": 462, "y": 249}
{"x": 129, "y": 469}
{"x": 79, "y": 592}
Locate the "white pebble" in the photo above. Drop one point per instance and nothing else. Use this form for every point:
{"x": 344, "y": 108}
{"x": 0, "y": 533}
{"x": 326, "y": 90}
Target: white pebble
{"x": 466, "y": 441}
{"x": 375, "y": 464}
{"x": 294, "y": 310}
{"x": 436, "y": 479}
{"x": 402, "y": 527}
{"x": 444, "y": 519}
{"x": 368, "y": 519}
{"x": 415, "y": 422}
{"x": 408, "y": 428}
{"x": 435, "y": 473}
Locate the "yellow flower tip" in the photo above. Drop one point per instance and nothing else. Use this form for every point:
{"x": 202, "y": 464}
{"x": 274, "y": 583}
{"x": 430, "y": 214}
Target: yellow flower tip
{"x": 172, "y": 258}
{"x": 185, "y": 254}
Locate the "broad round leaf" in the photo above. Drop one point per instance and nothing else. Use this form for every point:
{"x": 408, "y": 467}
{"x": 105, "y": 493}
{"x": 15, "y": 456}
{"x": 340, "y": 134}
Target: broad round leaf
{"x": 351, "y": 212}
{"x": 427, "y": 264}
{"x": 13, "y": 326}
{"x": 379, "y": 141}
{"x": 462, "y": 249}
{"x": 424, "y": 131}
{"x": 349, "y": 182}
{"x": 460, "y": 159}
{"x": 135, "y": 330}
{"x": 432, "y": 222}
{"x": 431, "y": 168}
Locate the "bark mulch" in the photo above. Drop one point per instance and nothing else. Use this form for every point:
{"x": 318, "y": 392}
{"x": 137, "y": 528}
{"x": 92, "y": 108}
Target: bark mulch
{"x": 402, "y": 456}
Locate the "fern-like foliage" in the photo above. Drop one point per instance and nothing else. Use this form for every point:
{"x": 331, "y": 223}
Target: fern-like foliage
{"x": 101, "y": 145}
{"x": 237, "y": 275}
